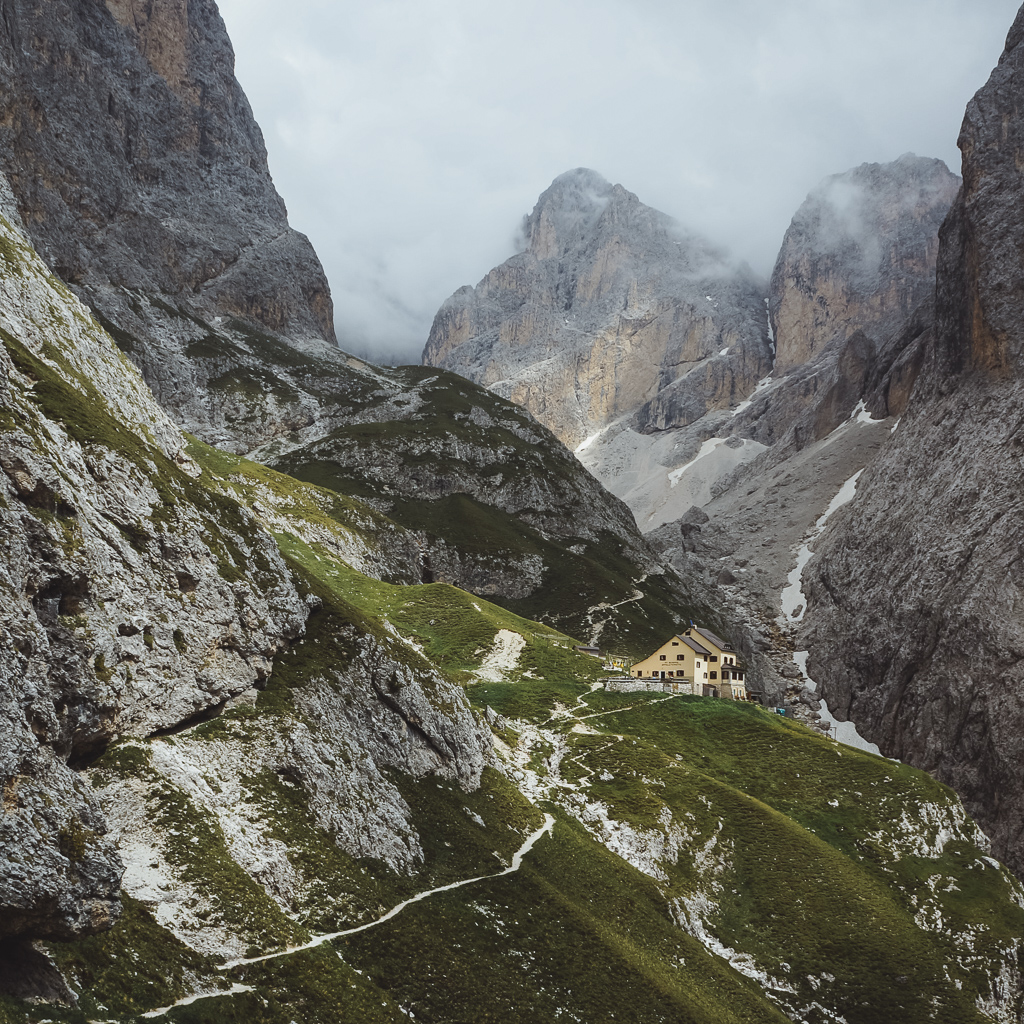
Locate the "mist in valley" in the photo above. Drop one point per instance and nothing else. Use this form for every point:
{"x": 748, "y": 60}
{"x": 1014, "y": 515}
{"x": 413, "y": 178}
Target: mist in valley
{"x": 409, "y": 140}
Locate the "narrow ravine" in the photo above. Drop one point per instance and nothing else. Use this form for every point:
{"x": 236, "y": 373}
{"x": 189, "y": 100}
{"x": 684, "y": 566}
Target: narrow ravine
{"x": 794, "y": 606}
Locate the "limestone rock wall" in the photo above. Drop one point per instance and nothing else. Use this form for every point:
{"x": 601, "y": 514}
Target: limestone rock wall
{"x": 858, "y": 256}
{"x": 137, "y": 163}
{"x": 136, "y": 599}
{"x": 914, "y": 598}
{"x": 142, "y": 179}
{"x": 609, "y": 304}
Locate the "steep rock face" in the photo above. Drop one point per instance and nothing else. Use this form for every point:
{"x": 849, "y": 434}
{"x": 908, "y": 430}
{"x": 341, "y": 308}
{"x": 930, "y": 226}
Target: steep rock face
{"x": 143, "y": 182}
{"x": 851, "y": 300}
{"x": 138, "y": 596}
{"x": 94, "y": 582}
{"x": 915, "y": 597}
{"x": 858, "y": 256}
{"x": 168, "y": 191}
{"x": 610, "y": 304}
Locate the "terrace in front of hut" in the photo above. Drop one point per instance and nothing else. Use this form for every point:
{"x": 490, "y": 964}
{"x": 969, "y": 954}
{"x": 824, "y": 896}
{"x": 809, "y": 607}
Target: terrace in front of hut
{"x": 693, "y": 662}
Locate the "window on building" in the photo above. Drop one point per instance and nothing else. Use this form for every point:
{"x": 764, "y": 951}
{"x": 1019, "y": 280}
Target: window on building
{"x": 675, "y": 643}
{"x": 714, "y": 657}
{"x": 663, "y": 656}
{"x": 714, "y": 675}
{"x": 680, "y": 657}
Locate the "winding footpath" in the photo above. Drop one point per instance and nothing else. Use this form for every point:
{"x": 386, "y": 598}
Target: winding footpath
{"x": 517, "y": 861}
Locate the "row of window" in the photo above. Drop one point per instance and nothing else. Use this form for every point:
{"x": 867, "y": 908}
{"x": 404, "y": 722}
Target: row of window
{"x": 672, "y": 675}
{"x": 726, "y": 660}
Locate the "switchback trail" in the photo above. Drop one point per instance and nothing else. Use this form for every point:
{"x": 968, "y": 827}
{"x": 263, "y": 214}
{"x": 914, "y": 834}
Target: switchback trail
{"x": 517, "y": 861}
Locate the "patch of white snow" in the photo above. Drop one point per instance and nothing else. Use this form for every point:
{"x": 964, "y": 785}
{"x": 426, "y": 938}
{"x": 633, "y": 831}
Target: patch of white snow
{"x": 793, "y": 602}
{"x": 860, "y": 414}
{"x": 762, "y": 385}
{"x": 845, "y": 732}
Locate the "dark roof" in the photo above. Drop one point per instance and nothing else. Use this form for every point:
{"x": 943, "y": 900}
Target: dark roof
{"x": 717, "y": 641}
{"x": 694, "y": 645}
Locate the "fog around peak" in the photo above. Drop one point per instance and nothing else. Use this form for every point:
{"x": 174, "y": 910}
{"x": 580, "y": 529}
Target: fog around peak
{"x": 849, "y": 213}
{"x": 410, "y": 139}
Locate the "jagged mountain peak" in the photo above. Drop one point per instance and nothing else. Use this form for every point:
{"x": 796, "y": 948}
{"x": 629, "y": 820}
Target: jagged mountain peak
{"x": 849, "y": 208}
{"x": 865, "y": 240}
{"x": 610, "y": 303}
{"x": 581, "y": 209}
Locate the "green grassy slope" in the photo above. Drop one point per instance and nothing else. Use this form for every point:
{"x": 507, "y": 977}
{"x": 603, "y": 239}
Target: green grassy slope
{"x": 708, "y": 862}
{"x": 479, "y": 477}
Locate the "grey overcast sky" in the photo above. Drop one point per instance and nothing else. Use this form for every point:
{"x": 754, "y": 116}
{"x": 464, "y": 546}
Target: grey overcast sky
{"x": 409, "y": 137}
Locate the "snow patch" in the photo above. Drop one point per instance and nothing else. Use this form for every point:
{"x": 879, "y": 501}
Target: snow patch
{"x": 793, "y": 602}
{"x": 860, "y": 414}
{"x": 705, "y": 449}
{"x": 845, "y": 732}
{"x": 584, "y": 445}
{"x": 762, "y": 385}
{"x": 794, "y": 606}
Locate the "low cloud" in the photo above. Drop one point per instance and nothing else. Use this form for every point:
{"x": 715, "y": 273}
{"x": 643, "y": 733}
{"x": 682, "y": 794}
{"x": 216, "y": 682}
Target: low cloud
{"x": 409, "y": 137}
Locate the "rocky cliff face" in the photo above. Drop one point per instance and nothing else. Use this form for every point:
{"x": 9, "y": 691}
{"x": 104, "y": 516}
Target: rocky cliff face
{"x": 858, "y": 256}
{"x": 142, "y": 180}
{"x": 117, "y": 206}
{"x": 851, "y": 300}
{"x": 610, "y": 306}
{"x": 139, "y": 596}
{"x": 914, "y": 622}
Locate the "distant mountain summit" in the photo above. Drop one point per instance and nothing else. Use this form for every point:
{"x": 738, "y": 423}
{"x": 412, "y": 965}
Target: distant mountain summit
{"x": 859, "y": 255}
{"x": 609, "y": 303}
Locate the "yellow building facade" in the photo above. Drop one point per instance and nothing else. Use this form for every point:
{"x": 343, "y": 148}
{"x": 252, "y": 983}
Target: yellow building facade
{"x": 695, "y": 662}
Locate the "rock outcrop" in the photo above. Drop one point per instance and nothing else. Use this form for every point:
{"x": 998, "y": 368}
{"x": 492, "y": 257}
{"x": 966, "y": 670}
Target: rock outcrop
{"x": 611, "y": 305}
{"x": 914, "y": 597}
{"x": 137, "y": 163}
{"x": 137, "y": 598}
{"x": 142, "y": 179}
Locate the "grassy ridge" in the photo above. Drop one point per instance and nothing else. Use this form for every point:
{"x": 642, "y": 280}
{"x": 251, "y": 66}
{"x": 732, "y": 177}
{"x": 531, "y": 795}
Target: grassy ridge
{"x": 815, "y": 856}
